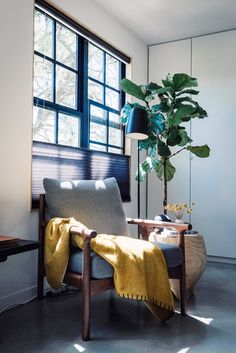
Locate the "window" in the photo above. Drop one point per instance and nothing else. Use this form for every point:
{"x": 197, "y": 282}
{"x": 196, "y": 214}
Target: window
{"x": 77, "y": 101}
{"x": 104, "y": 72}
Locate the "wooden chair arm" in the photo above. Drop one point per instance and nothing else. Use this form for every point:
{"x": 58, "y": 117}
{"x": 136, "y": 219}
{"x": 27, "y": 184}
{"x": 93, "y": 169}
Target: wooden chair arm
{"x": 146, "y": 226}
{"x": 179, "y": 227}
{"x": 84, "y": 232}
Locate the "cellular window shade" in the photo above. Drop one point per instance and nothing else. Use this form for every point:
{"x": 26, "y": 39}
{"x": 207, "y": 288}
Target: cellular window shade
{"x": 63, "y": 162}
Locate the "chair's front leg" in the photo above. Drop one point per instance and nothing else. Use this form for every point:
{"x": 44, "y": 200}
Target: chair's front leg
{"x": 86, "y": 291}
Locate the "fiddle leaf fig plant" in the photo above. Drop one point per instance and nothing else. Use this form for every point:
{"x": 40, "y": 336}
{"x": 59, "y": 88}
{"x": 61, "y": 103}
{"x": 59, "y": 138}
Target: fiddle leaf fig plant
{"x": 167, "y": 135}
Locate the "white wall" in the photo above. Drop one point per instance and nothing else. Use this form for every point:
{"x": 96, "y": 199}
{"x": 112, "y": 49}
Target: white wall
{"x": 18, "y": 273}
{"x": 212, "y": 60}
{"x": 213, "y": 179}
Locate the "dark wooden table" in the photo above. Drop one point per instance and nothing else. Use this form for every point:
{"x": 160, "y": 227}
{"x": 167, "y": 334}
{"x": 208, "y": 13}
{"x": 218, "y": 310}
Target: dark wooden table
{"x": 21, "y": 246}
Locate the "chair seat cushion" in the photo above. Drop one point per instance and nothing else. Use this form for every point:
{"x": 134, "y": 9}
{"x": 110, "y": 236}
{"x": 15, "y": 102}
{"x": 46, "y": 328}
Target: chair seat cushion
{"x": 99, "y": 267}
{"x": 173, "y": 253}
{"x": 102, "y": 269}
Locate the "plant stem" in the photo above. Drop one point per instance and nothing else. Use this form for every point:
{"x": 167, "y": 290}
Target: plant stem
{"x": 165, "y": 187}
{"x": 184, "y": 148}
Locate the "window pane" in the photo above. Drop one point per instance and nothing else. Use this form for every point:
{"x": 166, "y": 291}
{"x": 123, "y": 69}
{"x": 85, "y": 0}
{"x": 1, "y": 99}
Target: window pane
{"x": 115, "y": 150}
{"x": 68, "y": 130}
{"x": 115, "y": 118}
{"x": 95, "y": 91}
{"x": 65, "y": 87}
{"x": 98, "y": 132}
{"x": 43, "y": 34}
{"x": 115, "y": 136}
{"x": 96, "y": 112}
{"x": 98, "y": 128}
{"x": 44, "y": 125}
{"x": 66, "y": 46}
{"x": 94, "y": 146}
{"x": 43, "y": 78}
{"x": 95, "y": 63}
{"x": 112, "y": 71}
{"x": 112, "y": 99}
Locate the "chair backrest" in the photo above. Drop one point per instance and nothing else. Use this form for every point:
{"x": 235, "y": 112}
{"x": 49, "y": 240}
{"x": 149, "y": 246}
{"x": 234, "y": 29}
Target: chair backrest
{"x": 95, "y": 203}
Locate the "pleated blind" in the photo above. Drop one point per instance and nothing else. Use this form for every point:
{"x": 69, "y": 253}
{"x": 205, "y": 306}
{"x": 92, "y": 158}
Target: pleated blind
{"x": 63, "y": 162}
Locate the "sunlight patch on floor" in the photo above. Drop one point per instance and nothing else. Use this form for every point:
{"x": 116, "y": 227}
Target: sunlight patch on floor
{"x": 79, "y": 348}
{"x": 184, "y": 350}
{"x": 205, "y": 320}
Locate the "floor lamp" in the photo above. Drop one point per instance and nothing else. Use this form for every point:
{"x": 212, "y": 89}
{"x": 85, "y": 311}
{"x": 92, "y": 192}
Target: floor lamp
{"x": 137, "y": 129}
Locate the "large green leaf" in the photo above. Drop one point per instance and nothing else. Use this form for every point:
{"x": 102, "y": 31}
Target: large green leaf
{"x": 200, "y": 151}
{"x": 187, "y": 91}
{"x": 140, "y": 174}
{"x": 163, "y": 149}
{"x": 163, "y": 90}
{"x": 178, "y": 101}
{"x": 182, "y": 81}
{"x": 173, "y": 120}
{"x": 184, "y": 137}
{"x": 170, "y": 170}
{"x": 132, "y": 89}
{"x": 125, "y": 111}
{"x": 150, "y": 142}
{"x": 174, "y": 138}
{"x": 162, "y": 107}
{"x": 153, "y": 86}
{"x": 148, "y": 165}
{"x": 157, "y": 123}
{"x": 184, "y": 113}
{"x": 198, "y": 113}
{"x": 159, "y": 170}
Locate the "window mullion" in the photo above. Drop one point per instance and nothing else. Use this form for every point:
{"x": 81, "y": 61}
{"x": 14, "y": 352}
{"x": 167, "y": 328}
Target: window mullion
{"x": 54, "y": 61}
{"x": 85, "y": 101}
{"x": 104, "y": 95}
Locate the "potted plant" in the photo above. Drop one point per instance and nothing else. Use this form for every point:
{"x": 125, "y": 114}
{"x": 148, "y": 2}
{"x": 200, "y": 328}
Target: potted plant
{"x": 167, "y": 134}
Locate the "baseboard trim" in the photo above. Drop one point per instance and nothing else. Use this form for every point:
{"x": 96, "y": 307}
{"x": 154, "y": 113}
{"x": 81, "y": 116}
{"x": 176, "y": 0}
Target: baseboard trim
{"x": 17, "y": 298}
{"x": 225, "y": 260}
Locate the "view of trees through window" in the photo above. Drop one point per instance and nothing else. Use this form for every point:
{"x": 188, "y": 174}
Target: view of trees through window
{"x": 77, "y": 98}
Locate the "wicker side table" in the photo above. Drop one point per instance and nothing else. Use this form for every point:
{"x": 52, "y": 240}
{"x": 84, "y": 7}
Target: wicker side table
{"x": 195, "y": 259}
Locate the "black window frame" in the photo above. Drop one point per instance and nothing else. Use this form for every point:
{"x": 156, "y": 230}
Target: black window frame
{"x": 60, "y": 158}
{"x": 83, "y": 103}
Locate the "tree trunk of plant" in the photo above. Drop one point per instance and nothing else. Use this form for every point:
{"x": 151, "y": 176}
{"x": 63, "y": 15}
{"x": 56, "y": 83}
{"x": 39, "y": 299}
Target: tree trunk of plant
{"x": 165, "y": 187}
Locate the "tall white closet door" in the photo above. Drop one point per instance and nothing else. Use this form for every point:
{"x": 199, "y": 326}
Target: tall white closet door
{"x": 214, "y": 178}
{"x": 170, "y": 58}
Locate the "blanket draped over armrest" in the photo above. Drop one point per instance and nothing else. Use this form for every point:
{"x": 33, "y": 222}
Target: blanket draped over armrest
{"x": 139, "y": 267}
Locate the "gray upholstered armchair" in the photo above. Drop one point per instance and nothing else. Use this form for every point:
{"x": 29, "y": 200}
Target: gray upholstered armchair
{"x": 98, "y": 205}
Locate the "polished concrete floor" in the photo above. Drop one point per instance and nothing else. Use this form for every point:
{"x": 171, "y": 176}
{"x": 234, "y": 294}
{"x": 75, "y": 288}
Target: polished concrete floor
{"x": 120, "y": 325}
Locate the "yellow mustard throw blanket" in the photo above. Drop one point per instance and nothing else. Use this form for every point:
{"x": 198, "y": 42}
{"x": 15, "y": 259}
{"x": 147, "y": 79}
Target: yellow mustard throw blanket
{"x": 139, "y": 266}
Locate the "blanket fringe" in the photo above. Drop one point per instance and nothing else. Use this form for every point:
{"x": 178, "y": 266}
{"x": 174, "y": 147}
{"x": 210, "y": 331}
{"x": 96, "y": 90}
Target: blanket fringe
{"x": 144, "y": 298}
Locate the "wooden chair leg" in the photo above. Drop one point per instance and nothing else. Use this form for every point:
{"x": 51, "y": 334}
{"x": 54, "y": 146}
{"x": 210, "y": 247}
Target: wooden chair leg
{"x": 86, "y": 291}
{"x": 182, "y": 284}
{"x": 85, "y": 311}
{"x": 40, "y": 288}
